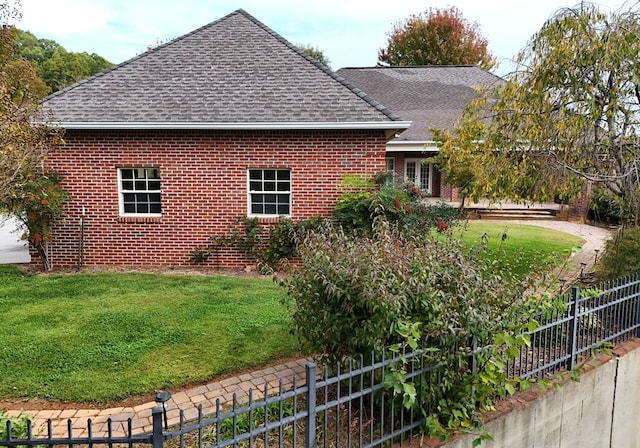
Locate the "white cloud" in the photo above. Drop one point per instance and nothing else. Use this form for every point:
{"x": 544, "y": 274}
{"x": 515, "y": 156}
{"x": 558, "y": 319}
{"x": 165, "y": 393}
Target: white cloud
{"x": 65, "y": 17}
{"x": 349, "y": 32}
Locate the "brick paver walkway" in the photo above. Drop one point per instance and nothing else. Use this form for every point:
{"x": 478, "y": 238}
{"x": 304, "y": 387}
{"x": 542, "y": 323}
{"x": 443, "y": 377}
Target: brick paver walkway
{"x": 187, "y": 401}
{"x": 224, "y": 390}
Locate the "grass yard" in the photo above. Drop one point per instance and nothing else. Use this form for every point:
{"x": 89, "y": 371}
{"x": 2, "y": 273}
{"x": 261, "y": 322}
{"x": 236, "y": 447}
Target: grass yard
{"x": 525, "y": 249}
{"x": 104, "y": 337}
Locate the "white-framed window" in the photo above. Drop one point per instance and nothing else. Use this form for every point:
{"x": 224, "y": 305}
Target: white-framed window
{"x": 269, "y": 191}
{"x": 390, "y": 167}
{"x": 139, "y": 191}
{"x": 418, "y": 173}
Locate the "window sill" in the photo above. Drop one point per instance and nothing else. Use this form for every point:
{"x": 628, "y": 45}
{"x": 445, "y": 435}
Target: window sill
{"x": 137, "y": 219}
{"x": 269, "y": 219}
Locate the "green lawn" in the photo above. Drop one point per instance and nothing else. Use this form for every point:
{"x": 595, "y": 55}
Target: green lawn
{"x": 104, "y": 337}
{"x": 524, "y": 249}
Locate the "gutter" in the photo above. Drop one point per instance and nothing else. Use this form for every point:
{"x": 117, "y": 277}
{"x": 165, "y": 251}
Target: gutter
{"x": 412, "y": 146}
{"x": 112, "y": 125}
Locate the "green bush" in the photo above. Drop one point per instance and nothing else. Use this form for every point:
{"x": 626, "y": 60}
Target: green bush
{"x": 621, "y": 256}
{"x": 18, "y": 426}
{"x": 355, "y": 295}
{"x": 362, "y": 203}
{"x": 246, "y": 421}
{"x": 281, "y": 243}
{"x": 268, "y": 246}
{"x": 604, "y": 207}
{"x": 352, "y": 294}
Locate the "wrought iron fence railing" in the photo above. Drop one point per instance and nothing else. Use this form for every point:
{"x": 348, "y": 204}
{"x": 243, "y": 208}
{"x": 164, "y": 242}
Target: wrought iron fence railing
{"x": 352, "y": 406}
{"x": 591, "y": 318}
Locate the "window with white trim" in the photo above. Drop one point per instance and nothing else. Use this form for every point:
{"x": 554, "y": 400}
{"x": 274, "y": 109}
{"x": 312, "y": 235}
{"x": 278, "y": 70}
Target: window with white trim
{"x": 418, "y": 173}
{"x": 139, "y": 191}
{"x": 390, "y": 167}
{"x": 269, "y": 192}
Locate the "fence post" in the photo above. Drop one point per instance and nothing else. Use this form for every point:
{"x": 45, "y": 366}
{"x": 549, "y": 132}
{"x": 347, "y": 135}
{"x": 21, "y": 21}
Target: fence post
{"x": 572, "y": 342}
{"x": 472, "y": 362}
{"x": 637, "y": 320}
{"x": 310, "y": 430}
{"x": 156, "y": 418}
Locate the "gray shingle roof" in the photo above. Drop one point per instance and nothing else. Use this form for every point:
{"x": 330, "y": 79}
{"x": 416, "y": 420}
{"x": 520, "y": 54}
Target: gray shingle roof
{"x": 232, "y": 71}
{"x": 428, "y": 96}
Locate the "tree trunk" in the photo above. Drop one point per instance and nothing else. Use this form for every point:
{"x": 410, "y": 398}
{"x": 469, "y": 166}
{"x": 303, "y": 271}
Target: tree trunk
{"x": 43, "y": 252}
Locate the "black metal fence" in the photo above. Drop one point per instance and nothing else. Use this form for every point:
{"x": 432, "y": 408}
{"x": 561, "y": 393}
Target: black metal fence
{"x": 352, "y": 406}
{"x": 589, "y": 319}
{"x": 346, "y": 408}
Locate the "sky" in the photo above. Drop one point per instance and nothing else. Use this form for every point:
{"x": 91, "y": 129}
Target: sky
{"x": 349, "y": 32}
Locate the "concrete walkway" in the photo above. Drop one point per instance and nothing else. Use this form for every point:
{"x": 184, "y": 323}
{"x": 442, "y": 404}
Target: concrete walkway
{"x": 206, "y": 395}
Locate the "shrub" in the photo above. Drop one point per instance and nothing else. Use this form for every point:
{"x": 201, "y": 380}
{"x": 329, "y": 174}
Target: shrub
{"x": 361, "y": 203}
{"x": 267, "y": 246}
{"x": 352, "y": 293}
{"x": 246, "y": 235}
{"x": 281, "y": 243}
{"x": 38, "y": 203}
{"x": 605, "y": 207}
{"x": 244, "y": 422}
{"x": 19, "y": 426}
{"x": 355, "y": 295}
{"x": 621, "y": 256}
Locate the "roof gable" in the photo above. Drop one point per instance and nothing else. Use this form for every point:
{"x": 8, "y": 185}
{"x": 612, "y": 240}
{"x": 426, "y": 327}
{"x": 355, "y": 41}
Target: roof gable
{"x": 234, "y": 72}
{"x": 428, "y": 96}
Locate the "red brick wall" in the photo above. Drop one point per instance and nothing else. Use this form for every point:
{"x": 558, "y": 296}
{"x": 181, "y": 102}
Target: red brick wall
{"x": 203, "y": 185}
{"x": 579, "y": 209}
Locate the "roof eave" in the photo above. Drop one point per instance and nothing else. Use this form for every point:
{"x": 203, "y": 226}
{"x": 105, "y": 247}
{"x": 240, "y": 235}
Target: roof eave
{"x": 412, "y": 146}
{"x": 104, "y": 125}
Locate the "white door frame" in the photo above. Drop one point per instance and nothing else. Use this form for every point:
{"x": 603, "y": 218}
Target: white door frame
{"x": 422, "y": 169}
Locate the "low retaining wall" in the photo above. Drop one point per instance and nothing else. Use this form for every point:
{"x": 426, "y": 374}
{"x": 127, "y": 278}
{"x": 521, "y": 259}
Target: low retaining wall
{"x": 601, "y": 410}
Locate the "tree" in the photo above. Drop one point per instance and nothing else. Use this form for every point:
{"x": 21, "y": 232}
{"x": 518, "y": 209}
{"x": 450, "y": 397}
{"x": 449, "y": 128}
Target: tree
{"x": 569, "y": 114}
{"x": 57, "y": 67}
{"x": 26, "y": 190}
{"x": 438, "y": 37}
{"x": 316, "y": 53}
{"x": 34, "y": 50}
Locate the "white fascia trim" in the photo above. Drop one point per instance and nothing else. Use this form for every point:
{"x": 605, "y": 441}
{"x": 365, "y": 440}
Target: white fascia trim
{"x": 411, "y": 146}
{"x": 237, "y": 126}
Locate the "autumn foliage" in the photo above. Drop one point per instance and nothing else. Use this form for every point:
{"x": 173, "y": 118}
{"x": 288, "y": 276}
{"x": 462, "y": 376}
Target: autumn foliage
{"x": 438, "y": 37}
{"x": 38, "y": 204}
{"x": 569, "y": 113}
{"x": 26, "y": 190}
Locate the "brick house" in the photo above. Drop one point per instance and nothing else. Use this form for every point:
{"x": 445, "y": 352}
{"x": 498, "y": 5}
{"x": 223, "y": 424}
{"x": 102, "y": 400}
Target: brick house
{"x": 169, "y": 148}
{"x": 430, "y": 97}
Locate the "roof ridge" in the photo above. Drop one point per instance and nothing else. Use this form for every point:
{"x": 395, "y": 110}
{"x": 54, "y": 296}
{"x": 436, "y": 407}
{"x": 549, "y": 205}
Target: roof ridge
{"x": 433, "y": 66}
{"x": 416, "y": 66}
{"x": 364, "y": 96}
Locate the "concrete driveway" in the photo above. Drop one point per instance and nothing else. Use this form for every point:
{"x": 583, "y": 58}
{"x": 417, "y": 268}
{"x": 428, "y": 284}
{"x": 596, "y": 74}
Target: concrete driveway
{"x": 12, "y": 249}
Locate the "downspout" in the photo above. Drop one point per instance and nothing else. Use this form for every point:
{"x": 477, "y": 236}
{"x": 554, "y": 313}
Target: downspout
{"x": 81, "y": 242}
